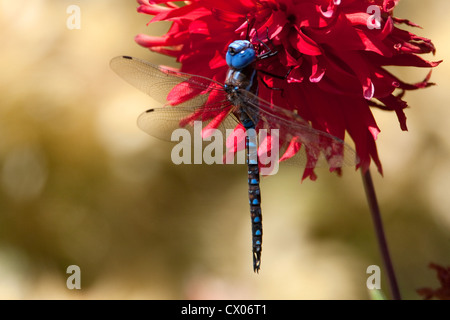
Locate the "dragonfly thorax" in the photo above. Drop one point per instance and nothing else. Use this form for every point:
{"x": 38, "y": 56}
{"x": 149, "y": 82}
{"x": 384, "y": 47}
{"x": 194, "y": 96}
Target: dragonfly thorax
{"x": 237, "y": 80}
{"x": 241, "y": 75}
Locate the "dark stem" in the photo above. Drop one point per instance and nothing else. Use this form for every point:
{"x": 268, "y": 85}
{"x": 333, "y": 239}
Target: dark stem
{"x": 379, "y": 230}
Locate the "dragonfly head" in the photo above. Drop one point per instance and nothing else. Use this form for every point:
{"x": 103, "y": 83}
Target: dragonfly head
{"x": 240, "y": 54}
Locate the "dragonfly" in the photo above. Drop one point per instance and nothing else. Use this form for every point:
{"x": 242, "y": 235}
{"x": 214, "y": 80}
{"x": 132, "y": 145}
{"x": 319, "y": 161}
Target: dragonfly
{"x": 235, "y": 102}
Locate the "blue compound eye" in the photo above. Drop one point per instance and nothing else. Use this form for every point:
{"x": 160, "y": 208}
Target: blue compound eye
{"x": 240, "y": 54}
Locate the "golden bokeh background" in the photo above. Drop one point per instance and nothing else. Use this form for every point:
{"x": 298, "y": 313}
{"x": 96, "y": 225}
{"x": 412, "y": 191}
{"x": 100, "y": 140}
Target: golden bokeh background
{"x": 81, "y": 184}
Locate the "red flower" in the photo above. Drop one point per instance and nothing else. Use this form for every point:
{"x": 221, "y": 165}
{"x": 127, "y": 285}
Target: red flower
{"x": 334, "y": 49}
{"x": 443, "y": 293}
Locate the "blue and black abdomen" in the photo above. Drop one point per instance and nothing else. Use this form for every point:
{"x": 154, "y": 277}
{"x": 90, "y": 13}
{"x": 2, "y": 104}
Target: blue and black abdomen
{"x": 254, "y": 196}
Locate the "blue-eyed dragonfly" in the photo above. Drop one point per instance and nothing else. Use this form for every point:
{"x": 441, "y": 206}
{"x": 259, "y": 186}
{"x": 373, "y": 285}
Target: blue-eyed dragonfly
{"x": 188, "y": 97}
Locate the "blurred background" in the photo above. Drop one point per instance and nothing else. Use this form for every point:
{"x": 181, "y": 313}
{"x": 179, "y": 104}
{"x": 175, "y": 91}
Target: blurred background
{"x": 81, "y": 184}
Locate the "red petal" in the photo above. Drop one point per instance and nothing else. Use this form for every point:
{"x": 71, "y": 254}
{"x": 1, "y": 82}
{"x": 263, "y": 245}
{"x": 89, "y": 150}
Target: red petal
{"x": 303, "y": 43}
{"x": 214, "y": 124}
{"x": 292, "y": 149}
{"x": 317, "y": 71}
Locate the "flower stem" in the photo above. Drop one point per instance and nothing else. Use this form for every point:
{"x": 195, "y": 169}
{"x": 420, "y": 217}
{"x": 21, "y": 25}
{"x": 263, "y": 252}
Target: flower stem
{"x": 379, "y": 230}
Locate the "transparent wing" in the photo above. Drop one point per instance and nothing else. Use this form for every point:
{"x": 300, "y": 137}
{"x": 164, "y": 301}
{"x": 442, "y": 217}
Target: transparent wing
{"x": 159, "y": 82}
{"x": 162, "y": 122}
{"x": 318, "y": 147}
{"x": 183, "y": 97}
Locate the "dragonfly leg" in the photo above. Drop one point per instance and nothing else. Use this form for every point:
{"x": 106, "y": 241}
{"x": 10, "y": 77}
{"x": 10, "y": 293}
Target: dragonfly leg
{"x": 269, "y": 53}
{"x": 272, "y": 88}
{"x": 276, "y": 75}
{"x": 248, "y": 28}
